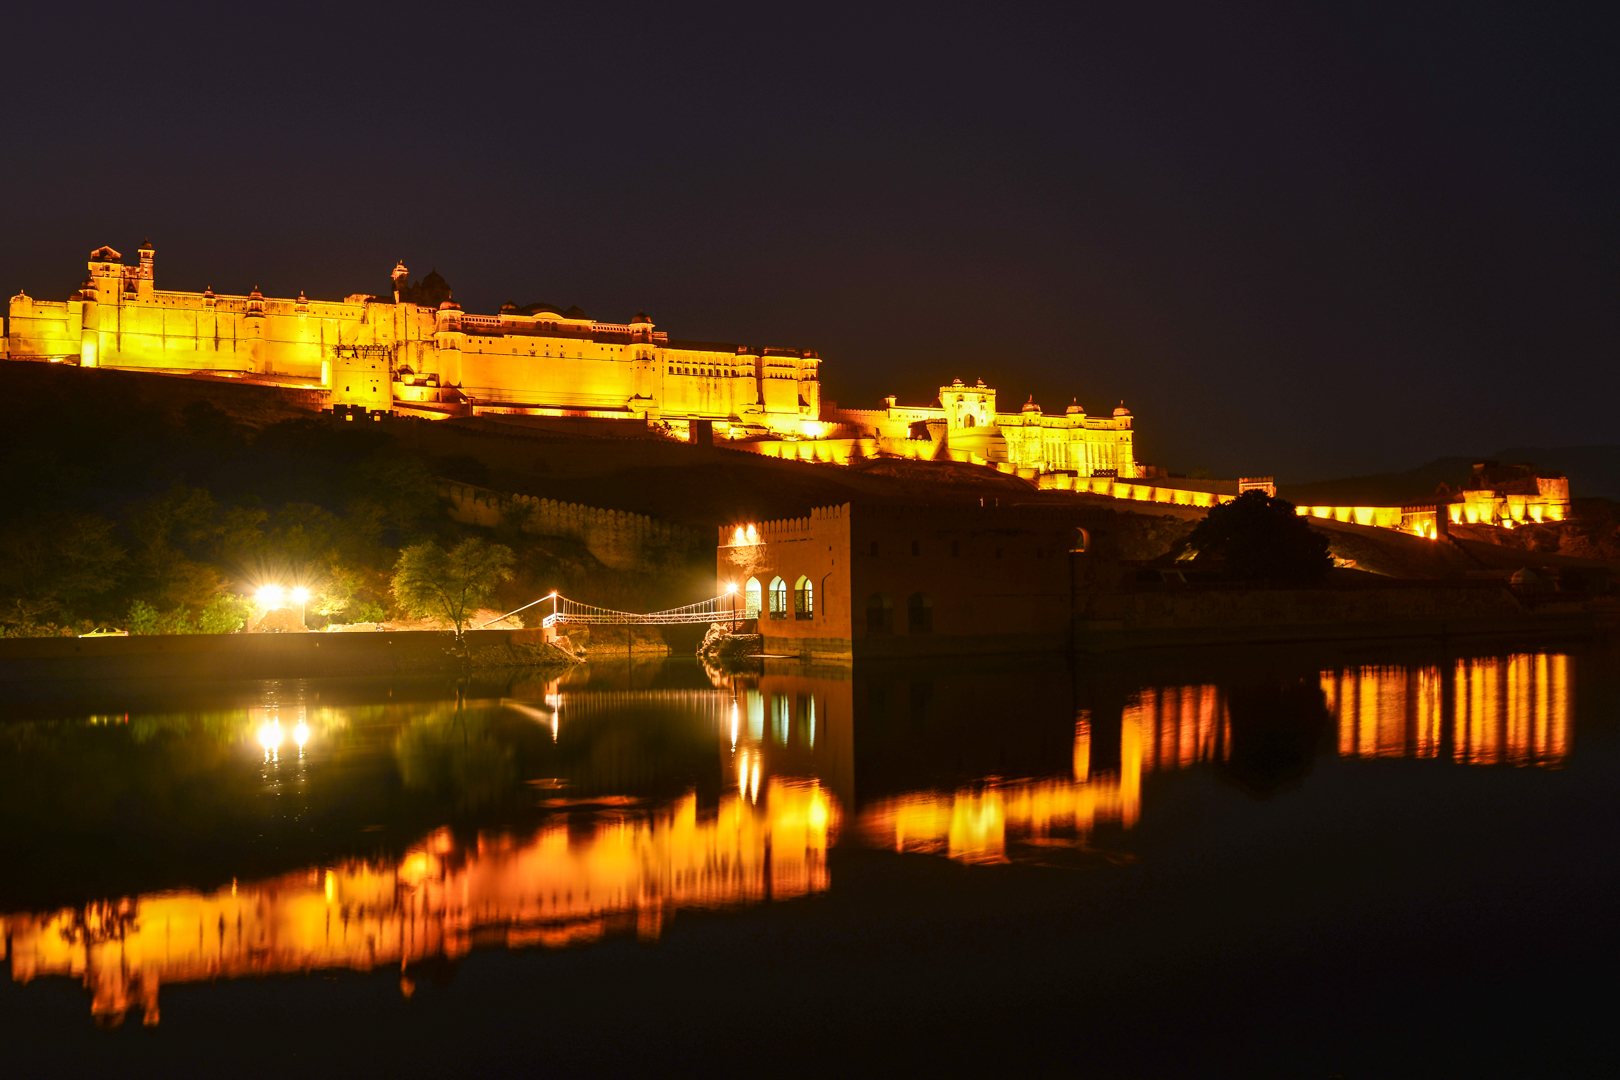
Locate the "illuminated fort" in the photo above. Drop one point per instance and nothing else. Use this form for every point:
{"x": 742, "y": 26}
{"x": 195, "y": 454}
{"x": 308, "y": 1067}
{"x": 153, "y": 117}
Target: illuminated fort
{"x": 416, "y": 352}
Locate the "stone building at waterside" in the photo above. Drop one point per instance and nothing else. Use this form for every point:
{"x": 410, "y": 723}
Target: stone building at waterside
{"x": 853, "y": 580}
{"x": 417, "y": 352}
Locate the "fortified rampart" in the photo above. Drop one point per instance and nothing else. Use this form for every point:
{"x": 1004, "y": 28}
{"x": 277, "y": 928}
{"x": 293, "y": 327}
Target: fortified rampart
{"x": 618, "y": 539}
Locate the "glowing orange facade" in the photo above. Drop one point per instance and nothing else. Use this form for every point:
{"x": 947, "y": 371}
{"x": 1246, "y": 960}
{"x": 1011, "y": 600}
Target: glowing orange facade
{"x": 382, "y": 355}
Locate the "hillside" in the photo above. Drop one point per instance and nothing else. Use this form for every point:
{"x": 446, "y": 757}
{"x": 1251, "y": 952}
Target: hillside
{"x": 1593, "y": 471}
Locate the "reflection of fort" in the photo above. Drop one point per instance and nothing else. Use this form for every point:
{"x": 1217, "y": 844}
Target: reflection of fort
{"x": 557, "y": 887}
{"x": 1512, "y": 710}
{"x": 979, "y": 768}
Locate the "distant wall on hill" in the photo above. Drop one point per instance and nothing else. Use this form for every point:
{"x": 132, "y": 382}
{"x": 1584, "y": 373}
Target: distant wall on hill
{"x": 615, "y": 538}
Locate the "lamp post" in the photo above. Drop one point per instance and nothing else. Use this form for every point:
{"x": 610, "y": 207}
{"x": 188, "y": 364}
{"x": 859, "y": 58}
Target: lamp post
{"x": 301, "y": 595}
{"x": 731, "y": 591}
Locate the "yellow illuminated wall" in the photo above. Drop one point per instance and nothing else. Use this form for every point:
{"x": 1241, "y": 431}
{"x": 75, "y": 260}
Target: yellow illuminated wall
{"x": 439, "y": 360}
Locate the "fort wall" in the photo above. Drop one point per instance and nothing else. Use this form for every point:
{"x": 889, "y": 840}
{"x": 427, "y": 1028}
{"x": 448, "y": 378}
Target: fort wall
{"x": 617, "y": 539}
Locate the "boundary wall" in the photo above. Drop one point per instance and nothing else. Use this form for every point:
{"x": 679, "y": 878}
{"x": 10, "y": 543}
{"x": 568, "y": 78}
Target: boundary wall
{"x": 259, "y": 656}
{"x": 618, "y": 539}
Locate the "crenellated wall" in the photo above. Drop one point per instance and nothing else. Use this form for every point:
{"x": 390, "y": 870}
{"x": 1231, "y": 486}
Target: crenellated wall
{"x": 617, "y": 539}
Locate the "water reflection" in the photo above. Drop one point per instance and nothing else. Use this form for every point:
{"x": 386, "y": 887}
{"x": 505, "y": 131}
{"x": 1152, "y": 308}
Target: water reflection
{"x": 1499, "y": 710}
{"x": 596, "y": 805}
{"x": 565, "y": 884}
{"x": 975, "y": 823}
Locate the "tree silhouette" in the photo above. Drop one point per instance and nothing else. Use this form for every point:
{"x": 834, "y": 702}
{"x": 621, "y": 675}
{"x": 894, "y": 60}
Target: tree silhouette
{"x": 1256, "y": 537}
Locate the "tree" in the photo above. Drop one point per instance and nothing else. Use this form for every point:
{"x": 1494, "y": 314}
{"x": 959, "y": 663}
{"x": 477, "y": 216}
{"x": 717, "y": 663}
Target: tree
{"x": 1257, "y": 537}
{"x": 450, "y": 585}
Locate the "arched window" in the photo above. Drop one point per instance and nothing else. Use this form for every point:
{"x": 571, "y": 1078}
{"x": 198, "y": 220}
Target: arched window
{"x": 879, "y": 614}
{"x": 920, "y": 613}
{"x": 968, "y": 421}
{"x": 751, "y": 593}
{"x": 1080, "y": 540}
{"x": 779, "y": 598}
{"x": 804, "y": 601}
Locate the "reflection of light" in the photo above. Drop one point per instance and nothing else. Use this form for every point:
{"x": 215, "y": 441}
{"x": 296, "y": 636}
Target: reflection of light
{"x": 269, "y": 597}
{"x": 270, "y": 734}
{"x": 554, "y": 887}
{"x": 735, "y": 717}
{"x": 301, "y": 734}
{"x": 753, "y": 783}
{"x": 1512, "y": 710}
{"x": 974, "y": 824}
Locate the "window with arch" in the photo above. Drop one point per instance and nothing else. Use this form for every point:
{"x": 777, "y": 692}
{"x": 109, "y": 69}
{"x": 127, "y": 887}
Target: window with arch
{"x": 779, "y": 598}
{"x": 920, "y": 613}
{"x": 879, "y": 614}
{"x": 804, "y": 600}
{"x": 751, "y": 596}
{"x": 968, "y": 420}
{"x": 1080, "y": 540}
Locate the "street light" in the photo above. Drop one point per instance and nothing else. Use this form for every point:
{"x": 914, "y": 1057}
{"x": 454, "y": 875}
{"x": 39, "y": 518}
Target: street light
{"x": 731, "y": 591}
{"x": 269, "y": 597}
{"x": 301, "y": 595}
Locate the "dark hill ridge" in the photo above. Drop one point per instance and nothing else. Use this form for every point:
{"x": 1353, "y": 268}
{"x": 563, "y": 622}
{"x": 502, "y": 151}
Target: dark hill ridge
{"x": 1593, "y": 471}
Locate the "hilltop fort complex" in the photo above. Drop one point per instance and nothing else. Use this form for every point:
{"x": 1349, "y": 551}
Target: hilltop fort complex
{"x": 415, "y": 352}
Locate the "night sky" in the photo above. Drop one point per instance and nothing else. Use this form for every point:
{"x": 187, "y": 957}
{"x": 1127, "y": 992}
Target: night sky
{"x": 1302, "y": 240}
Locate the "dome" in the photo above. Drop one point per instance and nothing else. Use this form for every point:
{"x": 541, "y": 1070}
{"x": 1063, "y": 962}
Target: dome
{"x": 1030, "y": 406}
{"x": 641, "y": 317}
{"x": 956, "y": 382}
{"x": 449, "y": 304}
{"x": 575, "y": 312}
{"x": 1075, "y": 409}
{"x": 1122, "y": 410}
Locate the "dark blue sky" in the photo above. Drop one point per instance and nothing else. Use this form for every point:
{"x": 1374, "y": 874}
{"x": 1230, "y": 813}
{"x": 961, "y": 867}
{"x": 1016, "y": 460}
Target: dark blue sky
{"x": 1305, "y": 240}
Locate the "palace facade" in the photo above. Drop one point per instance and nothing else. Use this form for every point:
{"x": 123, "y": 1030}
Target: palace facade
{"x": 417, "y": 352}
{"x": 391, "y": 355}
{"x": 966, "y": 425}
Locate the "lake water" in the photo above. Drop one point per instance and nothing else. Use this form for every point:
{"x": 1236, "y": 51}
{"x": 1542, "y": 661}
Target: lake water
{"x": 1249, "y": 862}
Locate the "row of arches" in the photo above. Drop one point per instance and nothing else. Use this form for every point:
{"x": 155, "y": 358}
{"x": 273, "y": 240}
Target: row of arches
{"x": 801, "y": 604}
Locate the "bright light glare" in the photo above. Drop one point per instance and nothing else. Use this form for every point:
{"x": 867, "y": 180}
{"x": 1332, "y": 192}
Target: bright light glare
{"x": 270, "y": 734}
{"x": 731, "y": 589}
{"x": 301, "y": 734}
{"x": 269, "y": 597}
{"x": 300, "y": 594}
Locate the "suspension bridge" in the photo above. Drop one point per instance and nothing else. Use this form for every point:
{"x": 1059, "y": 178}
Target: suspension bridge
{"x": 726, "y": 607}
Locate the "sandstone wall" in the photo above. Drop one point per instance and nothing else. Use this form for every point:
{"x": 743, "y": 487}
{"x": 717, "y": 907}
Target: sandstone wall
{"x": 617, "y": 539}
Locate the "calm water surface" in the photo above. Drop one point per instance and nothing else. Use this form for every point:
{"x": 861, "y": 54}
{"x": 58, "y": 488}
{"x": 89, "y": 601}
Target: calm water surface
{"x": 1266, "y": 862}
